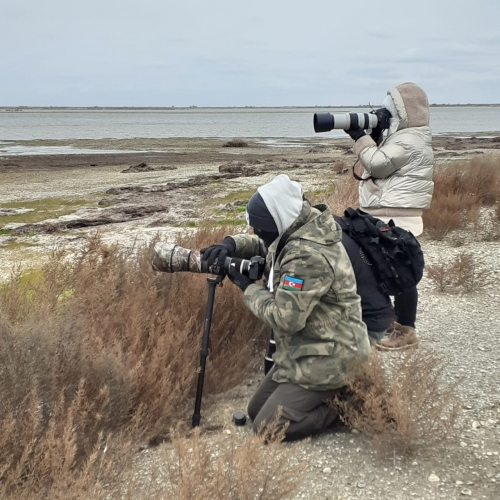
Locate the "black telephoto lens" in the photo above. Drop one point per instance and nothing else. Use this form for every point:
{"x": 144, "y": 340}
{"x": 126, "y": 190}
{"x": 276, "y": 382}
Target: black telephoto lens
{"x": 323, "y": 122}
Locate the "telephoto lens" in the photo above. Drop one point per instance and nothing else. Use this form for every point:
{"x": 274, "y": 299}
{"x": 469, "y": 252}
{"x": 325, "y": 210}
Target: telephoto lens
{"x": 324, "y": 122}
{"x": 171, "y": 258}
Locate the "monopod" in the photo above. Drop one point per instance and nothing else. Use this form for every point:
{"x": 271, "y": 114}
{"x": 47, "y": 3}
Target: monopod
{"x": 205, "y": 341}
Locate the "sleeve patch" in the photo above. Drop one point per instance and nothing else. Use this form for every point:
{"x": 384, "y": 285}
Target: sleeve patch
{"x": 293, "y": 284}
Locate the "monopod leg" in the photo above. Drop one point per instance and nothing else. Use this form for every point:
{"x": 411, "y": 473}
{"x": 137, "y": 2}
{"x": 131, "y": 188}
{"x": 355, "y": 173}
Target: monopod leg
{"x": 212, "y": 283}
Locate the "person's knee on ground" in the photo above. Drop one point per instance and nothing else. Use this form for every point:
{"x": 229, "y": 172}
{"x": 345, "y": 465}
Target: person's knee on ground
{"x": 264, "y": 391}
{"x": 303, "y": 412}
{"x": 296, "y": 426}
{"x": 253, "y": 409}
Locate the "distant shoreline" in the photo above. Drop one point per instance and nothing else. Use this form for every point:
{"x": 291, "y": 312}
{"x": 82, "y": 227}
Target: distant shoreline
{"x": 17, "y": 109}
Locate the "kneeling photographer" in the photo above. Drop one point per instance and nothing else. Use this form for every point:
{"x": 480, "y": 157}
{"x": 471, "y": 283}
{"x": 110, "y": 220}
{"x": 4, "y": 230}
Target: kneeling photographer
{"x": 309, "y": 301}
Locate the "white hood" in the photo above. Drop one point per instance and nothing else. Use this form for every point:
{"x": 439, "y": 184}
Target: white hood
{"x": 394, "y": 120}
{"x": 283, "y": 199}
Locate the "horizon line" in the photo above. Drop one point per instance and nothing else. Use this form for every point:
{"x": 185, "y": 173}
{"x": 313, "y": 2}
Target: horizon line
{"x": 26, "y": 107}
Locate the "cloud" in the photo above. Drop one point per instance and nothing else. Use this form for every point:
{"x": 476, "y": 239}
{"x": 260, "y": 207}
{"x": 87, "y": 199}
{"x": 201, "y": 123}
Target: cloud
{"x": 285, "y": 52}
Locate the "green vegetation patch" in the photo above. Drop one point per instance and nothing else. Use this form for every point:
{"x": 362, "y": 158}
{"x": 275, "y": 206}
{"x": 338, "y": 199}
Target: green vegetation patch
{"x": 319, "y": 192}
{"x": 15, "y": 245}
{"x": 232, "y": 222}
{"x": 28, "y": 279}
{"x": 46, "y": 208}
{"x": 240, "y": 195}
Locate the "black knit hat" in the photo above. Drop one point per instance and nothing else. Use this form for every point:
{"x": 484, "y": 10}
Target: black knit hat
{"x": 259, "y": 216}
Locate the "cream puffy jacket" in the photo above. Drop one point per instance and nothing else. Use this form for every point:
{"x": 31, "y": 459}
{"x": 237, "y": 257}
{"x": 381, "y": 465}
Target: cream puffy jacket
{"x": 398, "y": 172}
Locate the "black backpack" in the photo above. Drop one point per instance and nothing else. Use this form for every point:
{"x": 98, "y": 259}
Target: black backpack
{"x": 395, "y": 253}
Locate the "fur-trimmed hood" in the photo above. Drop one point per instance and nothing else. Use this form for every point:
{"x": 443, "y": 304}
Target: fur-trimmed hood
{"x": 411, "y": 104}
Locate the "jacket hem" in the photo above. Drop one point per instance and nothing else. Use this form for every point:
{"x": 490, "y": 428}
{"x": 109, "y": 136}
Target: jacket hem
{"x": 393, "y": 212}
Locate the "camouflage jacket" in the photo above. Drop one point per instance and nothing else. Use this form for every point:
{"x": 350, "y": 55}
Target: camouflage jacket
{"x": 314, "y": 309}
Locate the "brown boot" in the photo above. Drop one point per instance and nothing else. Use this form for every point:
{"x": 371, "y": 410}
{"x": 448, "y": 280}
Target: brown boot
{"x": 393, "y": 326}
{"x": 401, "y": 337}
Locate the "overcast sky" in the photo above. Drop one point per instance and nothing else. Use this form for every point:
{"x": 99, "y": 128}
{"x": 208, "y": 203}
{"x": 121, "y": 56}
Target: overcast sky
{"x": 246, "y": 53}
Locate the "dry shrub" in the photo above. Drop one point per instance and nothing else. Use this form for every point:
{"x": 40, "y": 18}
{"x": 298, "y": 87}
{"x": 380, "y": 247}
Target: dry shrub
{"x": 341, "y": 167}
{"x": 237, "y": 467}
{"x": 445, "y": 214}
{"x": 235, "y": 143}
{"x": 343, "y": 194}
{"x": 403, "y": 404}
{"x": 99, "y": 345}
{"x": 460, "y": 190}
{"x": 465, "y": 273}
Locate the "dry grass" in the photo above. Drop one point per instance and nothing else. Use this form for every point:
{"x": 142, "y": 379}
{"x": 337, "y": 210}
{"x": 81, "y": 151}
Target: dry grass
{"x": 460, "y": 190}
{"x": 100, "y": 346}
{"x": 343, "y": 194}
{"x": 463, "y": 274}
{"x": 341, "y": 167}
{"x": 402, "y": 404}
{"x": 235, "y": 467}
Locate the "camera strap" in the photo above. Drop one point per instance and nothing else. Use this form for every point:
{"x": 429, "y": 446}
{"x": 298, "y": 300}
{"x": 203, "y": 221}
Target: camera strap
{"x": 356, "y": 176}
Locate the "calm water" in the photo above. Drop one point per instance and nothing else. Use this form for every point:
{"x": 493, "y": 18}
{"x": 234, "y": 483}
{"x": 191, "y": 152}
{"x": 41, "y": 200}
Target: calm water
{"x": 223, "y": 123}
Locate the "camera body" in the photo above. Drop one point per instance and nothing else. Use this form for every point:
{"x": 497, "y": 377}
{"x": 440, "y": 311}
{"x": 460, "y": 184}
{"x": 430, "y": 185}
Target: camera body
{"x": 324, "y": 122}
{"x": 253, "y": 268}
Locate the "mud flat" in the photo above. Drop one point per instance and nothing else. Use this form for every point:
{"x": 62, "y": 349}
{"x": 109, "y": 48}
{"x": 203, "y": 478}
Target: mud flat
{"x": 150, "y": 186}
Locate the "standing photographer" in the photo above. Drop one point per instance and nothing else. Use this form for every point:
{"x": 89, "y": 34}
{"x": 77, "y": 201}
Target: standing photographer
{"x": 310, "y": 302}
{"x": 397, "y": 183}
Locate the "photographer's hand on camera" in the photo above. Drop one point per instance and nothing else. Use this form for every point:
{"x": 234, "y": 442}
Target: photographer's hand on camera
{"x": 377, "y": 136}
{"x": 240, "y": 280}
{"x": 383, "y": 117}
{"x": 219, "y": 251}
{"x": 355, "y": 133}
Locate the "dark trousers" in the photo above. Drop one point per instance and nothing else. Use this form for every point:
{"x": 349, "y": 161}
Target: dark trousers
{"x": 305, "y": 411}
{"x": 405, "y": 307}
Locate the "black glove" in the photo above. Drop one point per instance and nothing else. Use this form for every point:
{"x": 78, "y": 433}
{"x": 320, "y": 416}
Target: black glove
{"x": 383, "y": 123}
{"x": 355, "y": 133}
{"x": 376, "y": 135}
{"x": 219, "y": 251}
{"x": 239, "y": 279}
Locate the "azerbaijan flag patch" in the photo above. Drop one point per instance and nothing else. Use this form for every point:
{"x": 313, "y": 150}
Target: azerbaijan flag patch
{"x": 293, "y": 284}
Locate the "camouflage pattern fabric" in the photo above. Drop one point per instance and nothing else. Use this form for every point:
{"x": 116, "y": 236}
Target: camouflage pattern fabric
{"x": 170, "y": 258}
{"x": 318, "y": 329}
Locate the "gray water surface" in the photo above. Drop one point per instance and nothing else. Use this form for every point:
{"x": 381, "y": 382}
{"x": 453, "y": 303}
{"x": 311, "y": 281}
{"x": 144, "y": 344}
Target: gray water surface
{"x": 263, "y": 123}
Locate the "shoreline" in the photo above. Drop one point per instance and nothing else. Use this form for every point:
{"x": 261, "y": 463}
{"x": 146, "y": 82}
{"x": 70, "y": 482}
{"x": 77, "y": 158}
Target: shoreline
{"x": 53, "y": 200}
{"x": 146, "y": 146}
{"x": 16, "y": 109}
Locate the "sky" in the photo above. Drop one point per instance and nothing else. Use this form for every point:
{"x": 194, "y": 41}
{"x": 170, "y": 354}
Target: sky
{"x": 246, "y": 53}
